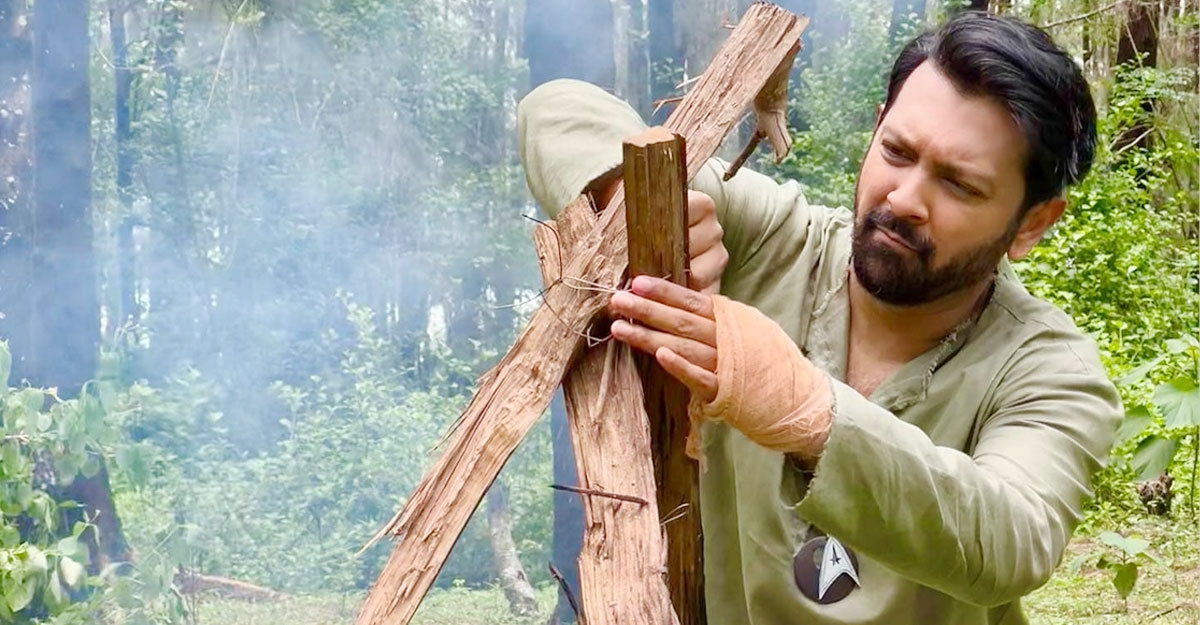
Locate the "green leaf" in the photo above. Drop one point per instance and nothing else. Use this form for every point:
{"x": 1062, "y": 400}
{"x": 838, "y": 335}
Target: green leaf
{"x": 72, "y": 571}
{"x": 10, "y": 536}
{"x": 1132, "y": 547}
{"x": 1179, "y": 402}
{"x": 58, "y": 597}
{"x": 1135, "y": 422}
{"x": 32, "y": 400}
{"x": 91, "y": 466}
{"x": 1152, "y": 456}
{"x": 35, "y": 559}
{"x": 18, "y": 595}
{"x": 1125, "y": 578}
{"x": 1176, "y": 346}
{"x": 68, "y": 546}
{"x": 1077, "y": 563}
{"x": 1139, "y": 372}
{"x": 44, "y": 421}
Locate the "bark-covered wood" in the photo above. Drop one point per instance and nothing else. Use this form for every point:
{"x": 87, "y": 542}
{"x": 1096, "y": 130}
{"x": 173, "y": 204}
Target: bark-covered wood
{"x": 656, "y": 217}
{"x": 512, "y": 396}
{"x": 621, "y": 565}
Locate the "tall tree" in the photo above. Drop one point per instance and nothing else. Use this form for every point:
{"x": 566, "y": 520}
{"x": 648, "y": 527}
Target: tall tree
{"x": 665, "y": 50}
{"x": 15, "y": 177}
{"x": 64, "y": 324}
{"x": 1137, "y": 43}
{"x": 553, "y": 48}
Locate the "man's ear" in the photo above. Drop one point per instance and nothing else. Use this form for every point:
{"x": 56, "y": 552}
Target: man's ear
{"x": 1034, "y": 224}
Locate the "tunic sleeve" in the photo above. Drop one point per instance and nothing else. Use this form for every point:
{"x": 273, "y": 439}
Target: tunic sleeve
{"x": 984, "y": 528}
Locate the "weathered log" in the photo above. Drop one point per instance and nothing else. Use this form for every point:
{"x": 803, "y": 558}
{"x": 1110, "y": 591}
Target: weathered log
{"x": 656, "y": 219}
{"x": 192, "y": 583}
{"x": 621, "y": 563}
{"x": 512, "y": 396}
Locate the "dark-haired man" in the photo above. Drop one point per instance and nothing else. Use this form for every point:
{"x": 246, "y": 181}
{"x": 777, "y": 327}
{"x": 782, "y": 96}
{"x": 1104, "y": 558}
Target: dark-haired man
{"x": 898, "y": 433}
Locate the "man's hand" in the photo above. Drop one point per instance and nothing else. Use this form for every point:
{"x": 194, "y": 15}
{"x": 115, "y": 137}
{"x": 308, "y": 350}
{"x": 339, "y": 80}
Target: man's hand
{"x": 706, "y": 248}
{"x": 674, "y": 324}
{"x": 707, "y": 255}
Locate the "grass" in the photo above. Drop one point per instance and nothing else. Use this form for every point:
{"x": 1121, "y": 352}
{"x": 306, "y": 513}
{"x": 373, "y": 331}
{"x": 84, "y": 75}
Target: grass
{"x": 1165, "y": 594}
{"x": 1078, "y": 594}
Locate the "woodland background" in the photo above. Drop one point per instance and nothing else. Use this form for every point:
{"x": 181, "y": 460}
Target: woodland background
{"x": 253, "y": 254}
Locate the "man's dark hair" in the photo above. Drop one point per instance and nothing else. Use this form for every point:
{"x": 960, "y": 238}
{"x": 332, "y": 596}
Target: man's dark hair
{"x": 1019, "y": 66}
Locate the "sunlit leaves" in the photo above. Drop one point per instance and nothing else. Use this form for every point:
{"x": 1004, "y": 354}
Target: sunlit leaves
{"x": 1179, "y": 402}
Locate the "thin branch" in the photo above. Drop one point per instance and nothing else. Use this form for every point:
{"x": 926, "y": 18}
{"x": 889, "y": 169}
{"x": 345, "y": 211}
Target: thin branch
{"x": 599, "y": 493}
{"x": 741, "y": 158}
{"x": 562, "y": 583}
{"x": 221, "y": 57}
{"x": 1084, "y": 16}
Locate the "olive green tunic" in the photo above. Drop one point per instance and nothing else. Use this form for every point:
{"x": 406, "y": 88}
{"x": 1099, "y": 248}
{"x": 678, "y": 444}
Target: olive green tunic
{"x": 958, "y": 481}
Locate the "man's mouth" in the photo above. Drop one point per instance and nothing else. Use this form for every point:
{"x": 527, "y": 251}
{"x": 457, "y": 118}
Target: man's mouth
{"x": 895, "y": 239}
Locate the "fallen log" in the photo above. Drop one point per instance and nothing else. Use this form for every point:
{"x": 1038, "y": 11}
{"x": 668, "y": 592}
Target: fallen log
{"x": 512, "y": 396}
{"x": 192, "y": 583}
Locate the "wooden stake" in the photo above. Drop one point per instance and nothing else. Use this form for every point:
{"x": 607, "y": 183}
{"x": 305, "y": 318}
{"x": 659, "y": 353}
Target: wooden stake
{"x": 512, "y": 396}
{"x": 656, "y": 218}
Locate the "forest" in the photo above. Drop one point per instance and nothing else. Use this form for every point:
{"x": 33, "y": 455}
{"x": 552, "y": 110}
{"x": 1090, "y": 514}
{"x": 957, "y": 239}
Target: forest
{"x": 254, "y": 255}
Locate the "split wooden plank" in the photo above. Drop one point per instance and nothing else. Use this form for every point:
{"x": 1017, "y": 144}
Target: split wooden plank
{"x": 622, "y": 578}
{"x": 656, "y": 218}
{"x": 512, "y": 396}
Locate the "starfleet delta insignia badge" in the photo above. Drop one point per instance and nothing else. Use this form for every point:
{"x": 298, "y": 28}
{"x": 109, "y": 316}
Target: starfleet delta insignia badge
{"x": 826, "y": 571}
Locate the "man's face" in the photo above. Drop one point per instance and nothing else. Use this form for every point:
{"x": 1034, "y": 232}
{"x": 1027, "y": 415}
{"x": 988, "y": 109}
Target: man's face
{"x": 938, "y": 195}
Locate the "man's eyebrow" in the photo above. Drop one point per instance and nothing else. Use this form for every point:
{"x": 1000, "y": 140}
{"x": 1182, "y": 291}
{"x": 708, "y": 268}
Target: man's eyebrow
{"x": 976, "y": 177}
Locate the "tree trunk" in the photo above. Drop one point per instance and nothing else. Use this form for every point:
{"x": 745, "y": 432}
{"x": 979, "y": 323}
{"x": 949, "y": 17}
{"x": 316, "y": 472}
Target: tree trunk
{"x": 522, "y": 601}
{"x": 16, "y": 172}
{"x": 1137, "y": 44}
{"x": 553, "y": 43}
{"x": 666, "y": 52}
{"x": 65, "y": 327}
{"x": 128, "y": 313}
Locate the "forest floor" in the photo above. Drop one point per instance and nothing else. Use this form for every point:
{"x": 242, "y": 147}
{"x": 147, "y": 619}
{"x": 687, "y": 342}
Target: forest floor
{"x": 1078, "y": 594}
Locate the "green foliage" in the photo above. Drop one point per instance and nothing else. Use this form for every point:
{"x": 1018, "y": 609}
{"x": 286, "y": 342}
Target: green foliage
{"x": 1123, "y": 559}
{"x": 294, "y": 516}
{"x": 1123, "y": 262}
{"x": 43, "y": 563}
{"x": 833, "y": 106}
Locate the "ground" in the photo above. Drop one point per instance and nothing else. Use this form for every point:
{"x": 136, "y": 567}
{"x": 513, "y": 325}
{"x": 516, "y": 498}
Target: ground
{"x": 1078, "y": 594}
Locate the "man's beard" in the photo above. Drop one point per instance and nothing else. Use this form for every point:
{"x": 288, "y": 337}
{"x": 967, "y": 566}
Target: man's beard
{"x": 906, "y": 278}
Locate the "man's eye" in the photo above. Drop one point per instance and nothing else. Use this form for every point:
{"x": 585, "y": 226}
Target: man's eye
{"x": 892, "y": 152}
{"x": 962, "y": 190}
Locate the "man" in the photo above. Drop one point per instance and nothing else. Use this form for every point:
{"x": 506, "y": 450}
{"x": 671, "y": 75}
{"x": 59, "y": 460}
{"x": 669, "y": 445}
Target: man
{"x": 896, "y": 431}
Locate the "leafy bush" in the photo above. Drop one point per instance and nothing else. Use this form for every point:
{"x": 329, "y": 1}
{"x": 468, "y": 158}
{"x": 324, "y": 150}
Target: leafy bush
{"x": 43, "y": 574}
{"x": 293, "y": 517}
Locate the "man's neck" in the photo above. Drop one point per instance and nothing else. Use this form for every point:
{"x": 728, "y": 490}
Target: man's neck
{"x": 897, "y": 334}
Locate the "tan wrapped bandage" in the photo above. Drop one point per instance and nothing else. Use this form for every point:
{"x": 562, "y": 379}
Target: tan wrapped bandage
{"x": 766, "y": 388}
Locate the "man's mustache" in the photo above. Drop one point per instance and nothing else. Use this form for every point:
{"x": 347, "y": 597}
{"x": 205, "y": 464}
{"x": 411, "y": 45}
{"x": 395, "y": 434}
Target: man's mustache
{"x": 880, "y": 217}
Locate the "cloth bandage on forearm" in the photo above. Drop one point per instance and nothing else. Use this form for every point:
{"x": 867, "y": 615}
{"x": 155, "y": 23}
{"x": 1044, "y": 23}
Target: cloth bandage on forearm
{"x": 766, "y": 388}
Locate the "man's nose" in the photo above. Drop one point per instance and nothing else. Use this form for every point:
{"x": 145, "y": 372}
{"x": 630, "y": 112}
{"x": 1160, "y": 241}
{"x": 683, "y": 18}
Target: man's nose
{"x": 909, "y": 200}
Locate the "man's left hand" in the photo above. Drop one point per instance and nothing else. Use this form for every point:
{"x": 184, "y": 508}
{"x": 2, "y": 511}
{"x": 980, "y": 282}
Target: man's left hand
{"x": 676, "y": 325}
